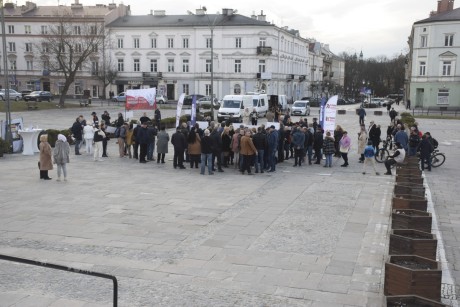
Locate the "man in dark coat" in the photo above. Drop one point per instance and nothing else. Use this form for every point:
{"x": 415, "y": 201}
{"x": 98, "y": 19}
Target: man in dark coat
{"x": 393, "y": 114}
{"x": 318, "y": 145}
{"x": 374, "y": 135}
{"x": 180, "y": 143}
{"x": 426, "y": 148}
{"x": 158, "y": 116}
{"x": 142, "y": 138}
{"x": 77, "y": 132}
{"x": 216, "y": 150}
{"x": 260, "y": 142}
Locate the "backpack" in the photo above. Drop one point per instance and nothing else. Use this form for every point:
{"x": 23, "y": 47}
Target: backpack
{"x": 369, "y": 152}
{"x": 117, "y": 132}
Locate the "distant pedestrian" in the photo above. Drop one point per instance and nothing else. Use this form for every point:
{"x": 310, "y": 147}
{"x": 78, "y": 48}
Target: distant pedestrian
{"x": 328, "y": 149}
{"x": 206, "y": 153}
{"x": 369, "y": 154}
{"x": 61, "y": 156}
{"x": 158, "y": 117}
{"x": 77, "y": 133}
{"x": 88, "y": 134}
{"x": 45, "y": 164}
{"x": 162, "y": 144}
{"x": 345, "y": 145}
{"x": 362, "y": 115}
{"x": 98, "y": 138}
{"x": 408, "y": 104}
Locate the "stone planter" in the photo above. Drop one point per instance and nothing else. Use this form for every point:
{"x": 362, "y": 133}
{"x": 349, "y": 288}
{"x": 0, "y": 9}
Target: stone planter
{"x": 413, "y": 275}
{"x": 378, "y": 113}
{"x": 411, "y": 219}
{"x": 407, "y": 201}
{"x": 409, "y": 179}
{"x": 409, "y": 189}
{"x": 409, "y": 171}
{"x": 342, "y": 112}
{"x": 411, "y": 300}
{"x": 413, "y": 242}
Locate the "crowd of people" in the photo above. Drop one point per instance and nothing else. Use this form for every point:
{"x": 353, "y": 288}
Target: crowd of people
{"x": 247, "y": 149}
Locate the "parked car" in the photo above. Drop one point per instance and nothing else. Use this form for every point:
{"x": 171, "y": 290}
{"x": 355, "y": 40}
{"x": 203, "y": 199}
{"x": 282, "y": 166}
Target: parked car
{"x": 121, "y": 97}
{"x": 25, "y": 92}
{"x": 13, "y": 95}
{"x": 39, "y": 96}
{"x": 161, "y": 99}
{"x": 207, "y": 100}
{"x": 300, "y": 107}
{"x": 189, "y": 98}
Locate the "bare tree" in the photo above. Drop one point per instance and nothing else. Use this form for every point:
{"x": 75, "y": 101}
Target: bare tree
{"x": 67, "y": 46}
{"x": 108, "y": 73}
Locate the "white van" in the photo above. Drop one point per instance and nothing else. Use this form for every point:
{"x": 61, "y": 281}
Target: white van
{"x": 232, "y": 107}
{"x": 260, "y": 103}
{"x": 300, "y": 107}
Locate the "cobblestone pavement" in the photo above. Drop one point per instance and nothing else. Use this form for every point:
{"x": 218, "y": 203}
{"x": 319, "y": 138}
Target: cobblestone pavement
{"x": 305, "y": 236}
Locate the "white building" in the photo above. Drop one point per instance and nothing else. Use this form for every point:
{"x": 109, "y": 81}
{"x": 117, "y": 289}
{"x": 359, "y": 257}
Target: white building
{"x": 433, "y": 65}
{"x": 173, "y": 52}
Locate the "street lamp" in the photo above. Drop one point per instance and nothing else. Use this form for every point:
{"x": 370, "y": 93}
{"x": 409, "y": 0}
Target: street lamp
{"x": 8, "y": 135}
{"x": 211, "y": 26}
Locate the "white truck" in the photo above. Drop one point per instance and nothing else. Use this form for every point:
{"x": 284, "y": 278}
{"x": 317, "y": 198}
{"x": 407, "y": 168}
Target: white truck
{"x": 232, "y": 107}
{"x": 260, "y": 103}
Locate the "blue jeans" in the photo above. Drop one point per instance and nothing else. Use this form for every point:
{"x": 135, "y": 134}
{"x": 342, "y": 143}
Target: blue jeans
{"x": 412, "y": 151}
{"x": 77, "y": 146}
{"x": 206, "y": 158}
{"x": 328, "y": 160}
{"x": 309, "y": 151}
{"x": 150, "y": 151}
{"x": 260, "y": 160}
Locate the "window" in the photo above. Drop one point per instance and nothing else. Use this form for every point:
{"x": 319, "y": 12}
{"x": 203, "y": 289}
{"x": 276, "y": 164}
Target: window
{"x": 30, "y": 65}
{"x": 185, "y": 67}
{"x": 153, "y": 65}
{"x": 12, "y": 46}
{"x": 93, "y": 30}
{"x": 78, "y": 88}
{"x": 95, "y": 48}
{"x": 11, "y": 29}
{"x": 137, "y": 65}
{"x": 45, "y": 48}
{"x": 153, "y": 43}
{"x": 262, "y": 41}
{"x": 422, "y": 69}
{"x": 208, "y": 89}
{"x": 121, "y": 65}
{"x": 28, "y": 47}
{"x": 120, "y": 43}
{"x": 136, "y": 43}
{"x": 61, "y": 48}
{"x": 185, "y": 89}
{"x": 94, "y": 68}
{"x": 449, "y": 40}
{"x": 76, "y": 30}
{"x": 446, "y": 68}
{"x": 170, "y": 43}
{"x": 238, "y": 42}
{"x": 261, "y": 65}
{"x": 208, "y": 42}
{"x": 60, "y": 30}
{"x": 46, "y": 65}
{"x": 237, "y": 89}
{"x": 170, "y": 65}
{"x": 78, "y": 48}
{"x": 423, "y": 41}
{"x": 13, "y": 65}
{"x": 27, "y": 29}
{"x": 44, "y": 30}
{"x": 208, "y": 65}
{"x": 443, "y": 97}
{"x": 237, "y": 65}
{"x": 185, "y": 43}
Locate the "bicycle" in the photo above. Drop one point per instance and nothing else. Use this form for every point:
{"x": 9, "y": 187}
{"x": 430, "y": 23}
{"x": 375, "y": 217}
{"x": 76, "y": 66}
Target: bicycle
{"x": 383, "y": 153}
{"x": 437, "y": 158}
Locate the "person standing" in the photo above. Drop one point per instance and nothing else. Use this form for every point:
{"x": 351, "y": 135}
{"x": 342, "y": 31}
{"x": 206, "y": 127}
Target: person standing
{"x": 226, "y": 146}
{"x": 362, "y": 141}
{"x": 179, "y": 143}
{"x": 401, "y": 137}
{"x": 272, "y": 148}
{"x": 254, "y": 117}
{"x": 374, "y": 135}
{"x": 120, "y": 120}
{"x": 144, "y": 118}
{"x": 248, "y": 150}
{"x": 260, "y": 142}
{"x": 426, "y": 148}
{"x": 158, "y": 116}
{"x": 318, "y": 144}
{"x": 216, "y": 150}
{"x": 45, "y": 163}
{"x": 369, "y": 154}
{"x": 298, "y": 142}
{"x": 61, "y": 156}
{"x": 77, "y": 132}
{"x": 153, "y": 132}
{"x": 194, "y": 147}
{"x": 393, "y": 115}
{"x": 345, "y": 145}
{"x": 121, "y": 139}
{"x": 142, "y": 137}
{"x": 328, "y": 149}
{"x": 106, "y": 117}
{"x": 88, "y": 134}
{"x": 338, "y": 133}
{"x": 98, "y": 138}
{"x": 362, "y": 115}
{"x": 206, "y": 153}
{"x": 408, "y": 104}
{"x": 104, "y": 141}
{"x": 135, "y": 143}
{"x": 95, "y": 118}
{"x": 246, "y": 116}
{"x": 162, "y": 144}
{"x": 414, "y": 140}
{"x": 129, "y": 140}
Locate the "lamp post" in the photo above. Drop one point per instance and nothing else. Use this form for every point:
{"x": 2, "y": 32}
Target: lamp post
{"x": 211, "y": 26}
{"x": 8, "y": 135}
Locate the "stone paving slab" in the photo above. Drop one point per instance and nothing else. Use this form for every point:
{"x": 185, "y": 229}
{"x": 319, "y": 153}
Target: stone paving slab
{"x": 298, "y": 237}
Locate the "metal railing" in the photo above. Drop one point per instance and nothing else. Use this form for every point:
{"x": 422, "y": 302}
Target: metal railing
{"x": 68, "y": 269}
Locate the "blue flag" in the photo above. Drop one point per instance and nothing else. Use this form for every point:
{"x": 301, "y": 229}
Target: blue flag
{"x": 193, "y": 114}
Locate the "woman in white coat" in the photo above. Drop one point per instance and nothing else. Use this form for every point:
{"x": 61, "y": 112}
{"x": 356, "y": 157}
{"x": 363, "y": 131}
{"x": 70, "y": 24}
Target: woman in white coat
{"x": 88, "y": 135}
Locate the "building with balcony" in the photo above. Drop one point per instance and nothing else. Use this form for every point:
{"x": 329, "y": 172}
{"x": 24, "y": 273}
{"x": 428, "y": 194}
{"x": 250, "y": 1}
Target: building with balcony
{"x": 433, "y": 69}
{"x": 173, "y": 53}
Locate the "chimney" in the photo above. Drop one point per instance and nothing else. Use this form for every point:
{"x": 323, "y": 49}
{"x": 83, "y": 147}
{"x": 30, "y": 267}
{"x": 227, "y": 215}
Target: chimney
{"x": 227, "y": 12}
{"x": 254, "y": 16}
{"x": 261, "y": 17}
{"x": 200, "y": 12}
{"x": 445, "y": 6}
{"x": 112, "y": 6}
{"x": 159, "y": 13}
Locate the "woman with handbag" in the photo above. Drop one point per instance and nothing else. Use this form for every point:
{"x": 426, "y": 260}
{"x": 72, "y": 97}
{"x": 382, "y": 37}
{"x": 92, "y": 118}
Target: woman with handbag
{"x": 345, "y": 144}
{"x": 45, "y": 164}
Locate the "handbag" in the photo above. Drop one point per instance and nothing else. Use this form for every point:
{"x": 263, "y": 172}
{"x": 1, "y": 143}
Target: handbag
{"x": 344, "y": 149}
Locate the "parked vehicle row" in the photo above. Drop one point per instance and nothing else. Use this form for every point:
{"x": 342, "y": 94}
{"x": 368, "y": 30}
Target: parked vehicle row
{"x": 27, "y": 95}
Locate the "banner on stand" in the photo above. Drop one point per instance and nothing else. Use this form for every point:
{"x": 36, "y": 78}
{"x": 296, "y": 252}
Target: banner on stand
{"x": 141, "y": 99}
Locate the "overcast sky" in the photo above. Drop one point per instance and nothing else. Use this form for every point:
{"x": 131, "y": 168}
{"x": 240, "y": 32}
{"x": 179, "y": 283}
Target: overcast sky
{"x": 377, "y": 27}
